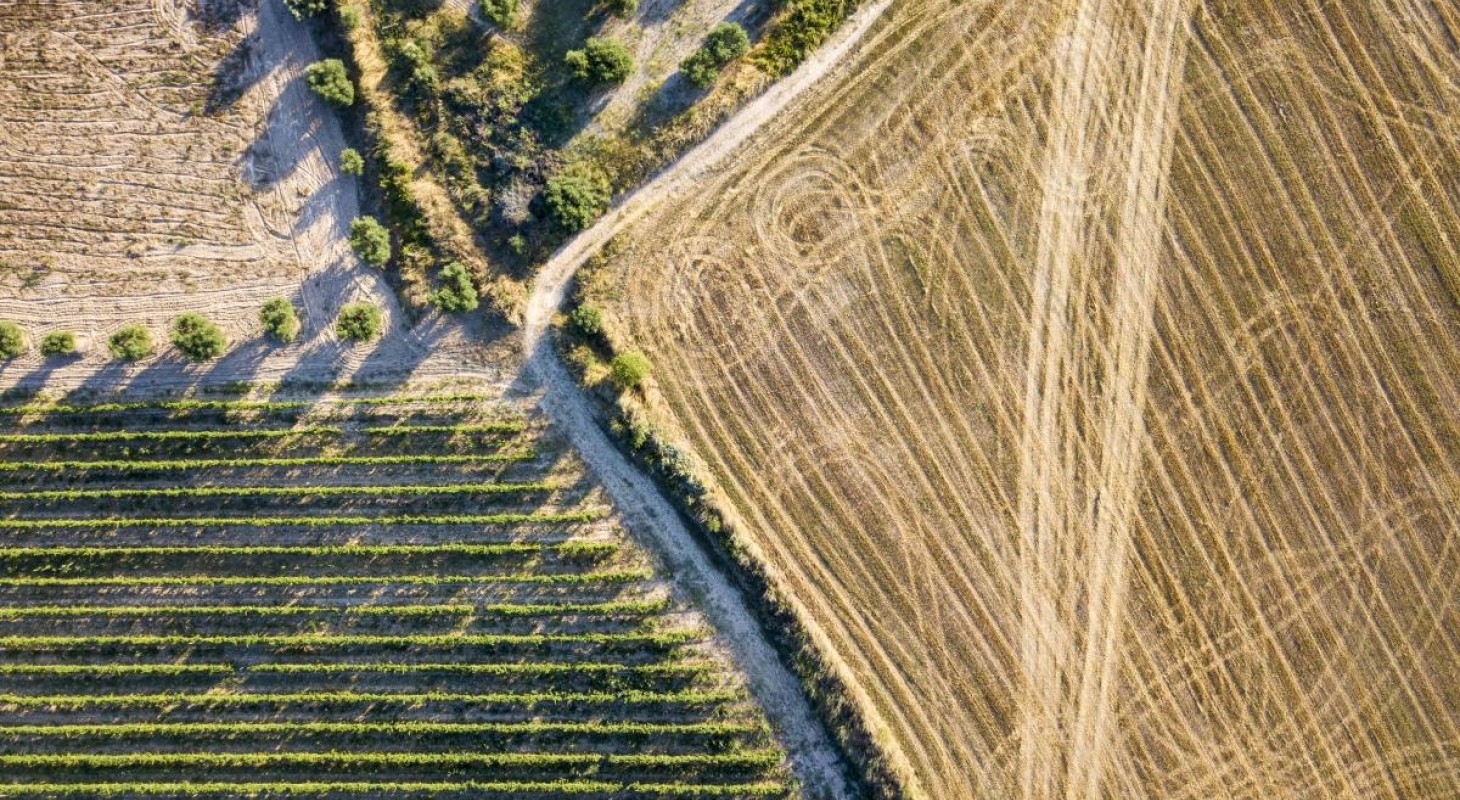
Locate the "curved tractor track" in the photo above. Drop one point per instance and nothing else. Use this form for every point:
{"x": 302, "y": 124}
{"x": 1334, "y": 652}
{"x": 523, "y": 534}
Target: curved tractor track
{"x": 814, "y": 757}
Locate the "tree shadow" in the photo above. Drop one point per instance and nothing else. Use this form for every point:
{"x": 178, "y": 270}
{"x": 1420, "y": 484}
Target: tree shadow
{"x": 233, "y": 76}
{"x": 274, "y": 154}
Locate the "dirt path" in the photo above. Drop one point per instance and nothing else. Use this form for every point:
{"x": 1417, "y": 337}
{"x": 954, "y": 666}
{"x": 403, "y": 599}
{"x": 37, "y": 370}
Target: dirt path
{"x": 1093, "y": 300}
{"x": 647, "y": 511}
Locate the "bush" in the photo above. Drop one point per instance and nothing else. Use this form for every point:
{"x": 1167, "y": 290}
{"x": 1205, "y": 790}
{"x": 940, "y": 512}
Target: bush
{"x": 280, "y": 319}
{"x": 575, "y": 197}
{"x": 197, "y": 337}
{"x": 371, "y": 241}
{"x": 351, "y": 163}
{"x": 328, "y": 79}
{"x": 58, "y": 343}
{"x": 12, "y": 340}
{"x": 131, "y": 342}
{"x": 502, "y": 13}
{"x": 804, "y": 26}
{"x": 622, "y": 8}
{"x": 727, "y": 42}
{"x": 350, "y": 17}
{"x": 457, "y": 293}
{"x": 359, "y": 322}
{"x": 629, "y": 370}
{"x": 587, "y": 320}
{"x": 601, "y": 61}
{"x": 306, "y": 8}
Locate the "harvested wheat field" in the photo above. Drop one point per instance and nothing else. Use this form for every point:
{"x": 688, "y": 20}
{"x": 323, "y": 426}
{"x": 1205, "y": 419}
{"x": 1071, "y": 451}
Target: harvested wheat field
{"x": 1087, "y": 372}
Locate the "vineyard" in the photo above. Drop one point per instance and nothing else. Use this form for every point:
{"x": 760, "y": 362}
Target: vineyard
{"x": 417, "y": 596}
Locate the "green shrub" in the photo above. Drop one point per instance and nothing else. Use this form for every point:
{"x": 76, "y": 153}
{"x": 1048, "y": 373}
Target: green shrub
{"x": 306, "y": 8}
{"x": 629, "y": 370}
{"x": 359, "y": 322}
{"x": 371, "y": 241}
{"x": 350, "y": 17}
{"x": 280, "y": 319}
{"x": 601, "y": 61}
{"x": 131, "y": 342}
{"x": 727, "y": 42}
{"x": 805, "y": 25}
{"x": 58, "y": 343}
{"x": 351, "y": 163}
{"x": 328, "y": 79}
{"x": 587, "y": 320}
{"x": 198, "y": 337}
{"x": 12, "y": 340}
{"x": 575, "y": 197}
{"x": 502, "y": 13}
{"x": 622, "y": 8}
{"x": 457, "y": 293}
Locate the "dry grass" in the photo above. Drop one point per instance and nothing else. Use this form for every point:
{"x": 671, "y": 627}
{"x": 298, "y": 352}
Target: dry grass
{"x": 1087, "y": 372}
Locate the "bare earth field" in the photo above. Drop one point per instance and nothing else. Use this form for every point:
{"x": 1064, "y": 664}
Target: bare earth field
{"x": 162, "y": 157}
{"x": 1087, "y": 371}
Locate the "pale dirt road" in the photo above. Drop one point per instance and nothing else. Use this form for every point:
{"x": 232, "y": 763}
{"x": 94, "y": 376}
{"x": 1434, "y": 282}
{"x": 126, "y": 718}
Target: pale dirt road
{"x": 647, "y": 512}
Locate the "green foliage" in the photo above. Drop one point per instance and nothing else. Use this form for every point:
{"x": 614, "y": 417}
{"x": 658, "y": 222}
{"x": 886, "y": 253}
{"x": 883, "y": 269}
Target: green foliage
{"x": 805, "y": 25}
{"x": 622, "y": 8}
{"x": 197, "y": 337}
{"x": 58, "y": 343}
{"x": 329, "y": 79}
{"x": 350, "y": 17}
{"x": 12, "y": 340}
{"x": 280, "y": 319}
{"x": 726, "y": 42}
{"x": 131, "y": 342}
{"x": 457, "y": 292}
{"x": 351, "y": 162}
{"x": 502, "y": 13}
{"x": 371, "y": 241}
{"x": 601, "y": 61}
{"x": 587, "y": 320}
{"x": 306, "y": 8}
{"x": 359, "y": 322}
{"x": 629, "y": 370}
{"x": 576, "y": 196}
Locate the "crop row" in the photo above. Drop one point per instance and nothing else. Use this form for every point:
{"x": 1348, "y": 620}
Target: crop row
{"x": 394, "y": 729}
{"x": 322, "y": 788}
{"x": 524, "y": 454}
{"x": 742, "y": 760}
{"x": 137, "y": 640}
{"x": 576, "y": 578}
{"x": 534, "y": 668}
{"x": 115, "y": 436}
{"x": 504, "y": 487}
{"x": 304, "y": 521}
{"x": 579, "y": 548}
{"x": 494, "y": 609}
{"x": 239, "y": 405}
{"x": 74, "y": 701}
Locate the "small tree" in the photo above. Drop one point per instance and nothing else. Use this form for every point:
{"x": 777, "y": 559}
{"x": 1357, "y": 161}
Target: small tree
{"x": 502, "y": 13}
{"x": 329, "y": 79}
{"x": 306, "y": 8}
{"x": 587, "y": 320}
{"x": 280, "y": 319}
{"x": 457, "y": 293}
{"x": 629, "y": 370}
{"x": 57, "y": 344}
{"x": 622, "y": 8}
{"x": 359, "y": 322}
{"x": 198, "y": 337}
{"x": 575, "y": 197}
{"x": 131, "y": 342}
{"x": 726, "y": 42}
{"x": 601, "y": 61}
{"x": 351, "y": 163}
{"x": 12, "y": 340}
{"x": 371, "y": 241}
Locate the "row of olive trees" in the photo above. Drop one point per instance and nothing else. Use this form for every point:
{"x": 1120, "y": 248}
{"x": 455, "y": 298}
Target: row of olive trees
{"x": 194, "y": 335}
